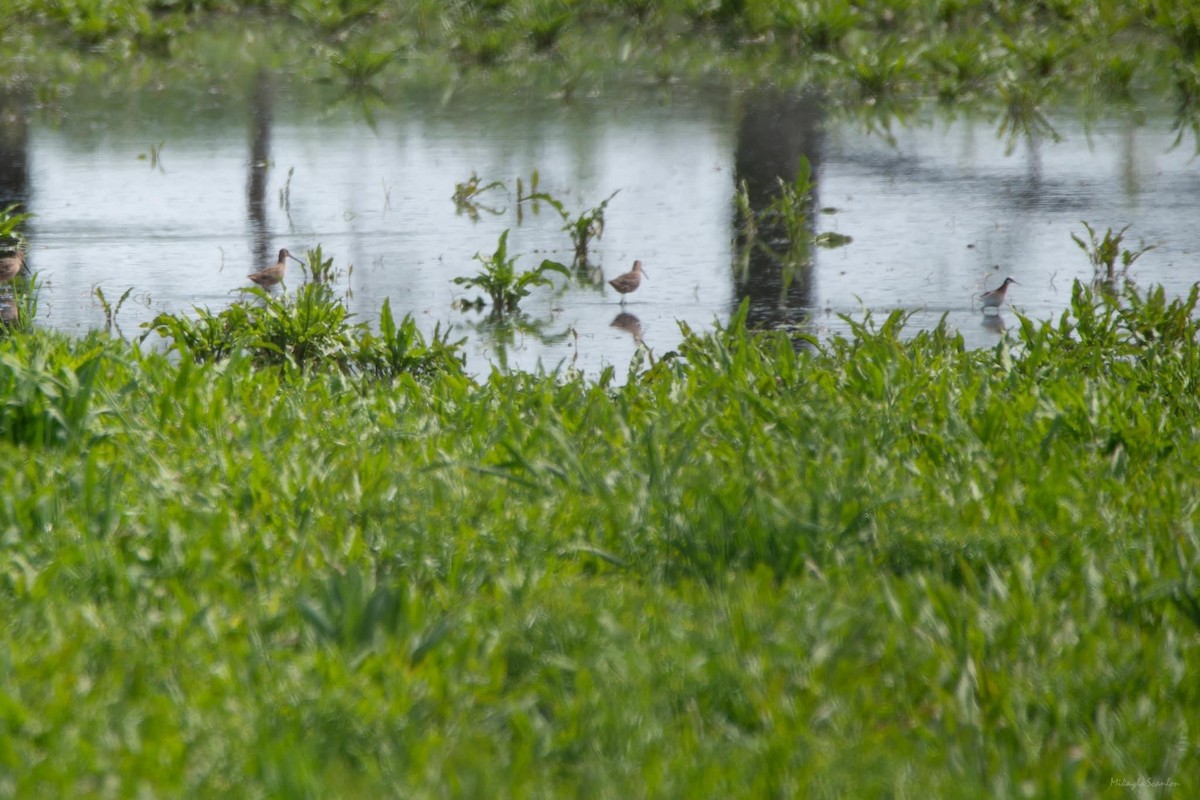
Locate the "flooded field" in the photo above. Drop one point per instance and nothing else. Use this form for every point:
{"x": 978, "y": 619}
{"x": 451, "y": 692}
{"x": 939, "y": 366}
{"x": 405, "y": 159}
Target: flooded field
{"x": 178, "y": 198}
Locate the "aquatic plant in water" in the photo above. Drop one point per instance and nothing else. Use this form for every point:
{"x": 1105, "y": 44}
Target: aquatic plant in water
{"x": 111, "y": 310}
{"x": 583, "y": 229}
{"x": 788, "y": 213}
{"x": 503, "y": 284}
{"x": 466, "y": 197}
{"x": 1103, "y": 254}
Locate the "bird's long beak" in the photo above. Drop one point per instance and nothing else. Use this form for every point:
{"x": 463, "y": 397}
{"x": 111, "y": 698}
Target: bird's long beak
{"x": 293, "y": 258}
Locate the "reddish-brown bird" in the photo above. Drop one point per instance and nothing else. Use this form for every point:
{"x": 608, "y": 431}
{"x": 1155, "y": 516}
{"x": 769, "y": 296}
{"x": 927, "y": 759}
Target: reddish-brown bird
{"x": 269, "y": 276}
{"x": 10, "y": 265}
{"x": 995, "y": 298}
{"x": 629, "y": 282}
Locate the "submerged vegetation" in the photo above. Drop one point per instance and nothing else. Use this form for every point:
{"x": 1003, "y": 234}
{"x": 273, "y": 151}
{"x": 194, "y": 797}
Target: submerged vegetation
{"x": 849, "y": 568}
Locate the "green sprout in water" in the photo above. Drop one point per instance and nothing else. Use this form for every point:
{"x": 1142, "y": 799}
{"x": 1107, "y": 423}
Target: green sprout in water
{"x": 111, "y": 310}
{"x": 583, "y": 229}
{"x": 154, "y": 156}
{"x": 503, "y": 283}
{"x": 747, "y": 222}
{"x": 789, "y": 212}
{"x": 532, "y": 196}
{"x": 782, "y": 228}
{"x": 1104, "y": 253}
{"x": 466, "y": 196}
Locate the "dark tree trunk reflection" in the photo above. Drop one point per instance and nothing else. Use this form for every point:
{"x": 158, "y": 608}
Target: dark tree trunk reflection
{"x": 776, "y": 129}
{"x": 14, "y": 175}
{"x": 14, "y": 147}
{"x": 262, "y": 106}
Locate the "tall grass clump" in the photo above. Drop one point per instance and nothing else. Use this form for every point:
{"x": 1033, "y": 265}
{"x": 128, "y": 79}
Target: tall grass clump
{"x": 309, "y": 329}
{"x": 50, "y": 396}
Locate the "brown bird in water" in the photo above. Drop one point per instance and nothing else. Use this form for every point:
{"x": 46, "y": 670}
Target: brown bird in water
{"x": 10, "y": 265}
{"x": 273, "y": 274}
{"x": 629, "y": 282}
{"x": 995, "y": 298}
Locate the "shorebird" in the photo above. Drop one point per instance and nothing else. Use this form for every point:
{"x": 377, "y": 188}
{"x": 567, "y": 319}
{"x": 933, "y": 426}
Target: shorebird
{"x": 10, "y": 265}
{"x": 269, "y": 276}
{"x": 995, "y": 298}
{"x": 629, "y": 282}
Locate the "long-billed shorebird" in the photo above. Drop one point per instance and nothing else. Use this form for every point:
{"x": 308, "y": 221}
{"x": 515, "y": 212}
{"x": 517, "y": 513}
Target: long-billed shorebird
{"x": 629, "y": 282}
{"x": 269, "y": 276}
{"x": 995, "y": 298}
{"x": 10, "y": 265}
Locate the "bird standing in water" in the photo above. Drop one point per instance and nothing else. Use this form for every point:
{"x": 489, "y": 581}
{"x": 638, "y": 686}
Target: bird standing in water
{"x": 628, "y": 282}
{"x": 995, "y": 298}
{"x": 269, "y": 276}
{"x": 10, "y": 265}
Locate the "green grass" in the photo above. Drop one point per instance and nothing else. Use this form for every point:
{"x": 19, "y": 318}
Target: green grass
{"x": 880, "y": 566}
{"x": 294, "y": 556}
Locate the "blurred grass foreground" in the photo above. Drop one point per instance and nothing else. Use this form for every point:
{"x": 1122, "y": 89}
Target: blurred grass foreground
{"x": 875, "y": 566}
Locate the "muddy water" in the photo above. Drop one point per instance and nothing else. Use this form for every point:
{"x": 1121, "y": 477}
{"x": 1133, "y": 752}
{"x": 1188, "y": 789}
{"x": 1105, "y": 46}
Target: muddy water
{"x": 178, "y": 198}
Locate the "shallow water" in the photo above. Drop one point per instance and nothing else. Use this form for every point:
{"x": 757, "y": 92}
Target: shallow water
{"x": 179, "y": 199}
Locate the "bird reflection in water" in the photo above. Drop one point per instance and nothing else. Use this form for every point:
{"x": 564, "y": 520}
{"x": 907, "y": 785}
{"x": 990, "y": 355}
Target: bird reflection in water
{"x": 994, "y": 323}
{"x": 630, "y": 324}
